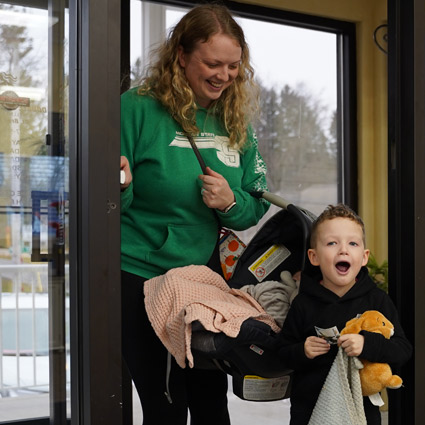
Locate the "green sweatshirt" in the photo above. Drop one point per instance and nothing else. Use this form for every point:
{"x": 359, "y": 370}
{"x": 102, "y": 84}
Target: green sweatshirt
{"x": 164, "y": 222}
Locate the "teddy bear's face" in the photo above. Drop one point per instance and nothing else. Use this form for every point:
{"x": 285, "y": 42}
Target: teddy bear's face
{"x": 371, "y": 321}
{"x": 376, "y": 322}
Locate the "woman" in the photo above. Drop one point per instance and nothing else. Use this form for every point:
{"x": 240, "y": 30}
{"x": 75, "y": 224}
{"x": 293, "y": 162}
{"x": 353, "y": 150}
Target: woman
{"x": 201, "y": 84}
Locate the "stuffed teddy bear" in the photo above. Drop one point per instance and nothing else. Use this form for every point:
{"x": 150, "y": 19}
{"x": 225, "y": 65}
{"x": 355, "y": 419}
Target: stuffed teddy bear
{"x": 374, "y": 377}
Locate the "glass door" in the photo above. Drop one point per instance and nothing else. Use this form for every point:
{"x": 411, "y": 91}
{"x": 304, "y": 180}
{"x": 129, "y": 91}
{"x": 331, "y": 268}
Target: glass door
{"x": 34, "y": 176}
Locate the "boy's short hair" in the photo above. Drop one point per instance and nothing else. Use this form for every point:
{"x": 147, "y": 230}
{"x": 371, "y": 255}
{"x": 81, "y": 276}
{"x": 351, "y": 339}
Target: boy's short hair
{"x": 335, "y": 211}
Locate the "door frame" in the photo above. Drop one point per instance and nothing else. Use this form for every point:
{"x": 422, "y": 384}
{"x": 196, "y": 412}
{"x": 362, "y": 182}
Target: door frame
{"x": 95, "y": 295}
{"x": 406, "y": 204}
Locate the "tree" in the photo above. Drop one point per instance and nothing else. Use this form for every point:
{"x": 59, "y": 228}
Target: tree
{"x": 293, "y": 139}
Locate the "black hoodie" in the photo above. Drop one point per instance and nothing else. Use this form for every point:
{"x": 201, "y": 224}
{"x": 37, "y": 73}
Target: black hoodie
{"x": 316, "y": 305}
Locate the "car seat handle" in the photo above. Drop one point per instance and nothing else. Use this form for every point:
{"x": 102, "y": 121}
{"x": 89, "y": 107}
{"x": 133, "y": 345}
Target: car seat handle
{"x": 275, "y": 199}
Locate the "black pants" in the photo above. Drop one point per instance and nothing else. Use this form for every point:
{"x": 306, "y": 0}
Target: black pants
{"x": 203, "y": 392}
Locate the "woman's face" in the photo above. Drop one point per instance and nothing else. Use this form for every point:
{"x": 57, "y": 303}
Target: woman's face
{"x": 211, "y": 67}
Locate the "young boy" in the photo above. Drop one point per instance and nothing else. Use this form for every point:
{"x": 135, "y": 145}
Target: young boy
{"x": 335, "y": 290}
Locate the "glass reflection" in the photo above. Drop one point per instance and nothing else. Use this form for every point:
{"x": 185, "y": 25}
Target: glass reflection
{"x": 28, "y": 177}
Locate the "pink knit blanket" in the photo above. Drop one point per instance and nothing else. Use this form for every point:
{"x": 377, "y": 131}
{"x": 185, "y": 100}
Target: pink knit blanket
{"x": 182, "y": 295}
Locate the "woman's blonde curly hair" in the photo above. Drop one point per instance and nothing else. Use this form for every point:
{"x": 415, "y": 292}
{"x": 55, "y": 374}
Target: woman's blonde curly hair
{"x": 165, "y": 78}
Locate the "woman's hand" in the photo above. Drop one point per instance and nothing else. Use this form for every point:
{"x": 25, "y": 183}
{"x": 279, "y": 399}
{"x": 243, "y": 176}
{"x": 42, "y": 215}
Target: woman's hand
{"x": 315, "y": 346}
{"x": 216, "y": 192}
{"x": 125, "y": 166}
{"x": 352, "y": 344}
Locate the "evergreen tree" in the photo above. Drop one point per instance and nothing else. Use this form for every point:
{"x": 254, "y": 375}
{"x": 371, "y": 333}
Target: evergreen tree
{"x": 293, "y": 139}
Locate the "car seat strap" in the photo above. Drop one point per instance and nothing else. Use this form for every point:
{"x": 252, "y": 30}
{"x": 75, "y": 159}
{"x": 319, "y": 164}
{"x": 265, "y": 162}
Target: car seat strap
{"x": 167, "y": 379}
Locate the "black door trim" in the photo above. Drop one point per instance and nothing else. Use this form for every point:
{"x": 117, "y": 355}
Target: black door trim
{"x": 406, "y": 203}
{"x": 95, "y": 212}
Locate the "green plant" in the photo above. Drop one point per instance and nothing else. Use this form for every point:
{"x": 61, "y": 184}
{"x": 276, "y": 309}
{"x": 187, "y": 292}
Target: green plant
{"x": 378, "y": 272}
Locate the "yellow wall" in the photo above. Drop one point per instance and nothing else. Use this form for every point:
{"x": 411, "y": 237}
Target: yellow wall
{"x": 372, "y": 105}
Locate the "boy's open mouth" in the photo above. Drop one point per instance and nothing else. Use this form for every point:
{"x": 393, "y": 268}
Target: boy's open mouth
{"x": 342, "y": 266}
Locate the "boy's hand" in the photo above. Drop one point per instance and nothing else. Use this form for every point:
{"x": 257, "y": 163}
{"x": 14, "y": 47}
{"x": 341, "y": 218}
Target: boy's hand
{"x": 352, "y": 344}
{"x": 315, "y": 346}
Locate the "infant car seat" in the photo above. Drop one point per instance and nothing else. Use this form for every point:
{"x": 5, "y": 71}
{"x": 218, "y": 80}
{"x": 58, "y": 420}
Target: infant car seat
{"x": 251, "y": 358}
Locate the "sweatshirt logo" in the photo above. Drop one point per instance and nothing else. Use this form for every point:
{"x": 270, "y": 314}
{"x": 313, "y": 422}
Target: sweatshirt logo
{"x": 227, "y": 155}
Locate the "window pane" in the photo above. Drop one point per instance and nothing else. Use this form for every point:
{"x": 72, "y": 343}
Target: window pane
{"x": 33, "y": 211}
{"x": 298, "y": 105}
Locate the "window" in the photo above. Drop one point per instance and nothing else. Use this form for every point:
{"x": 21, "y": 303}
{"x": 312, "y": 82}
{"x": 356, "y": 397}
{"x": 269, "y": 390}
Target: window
{"x": 34, "y": 209}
